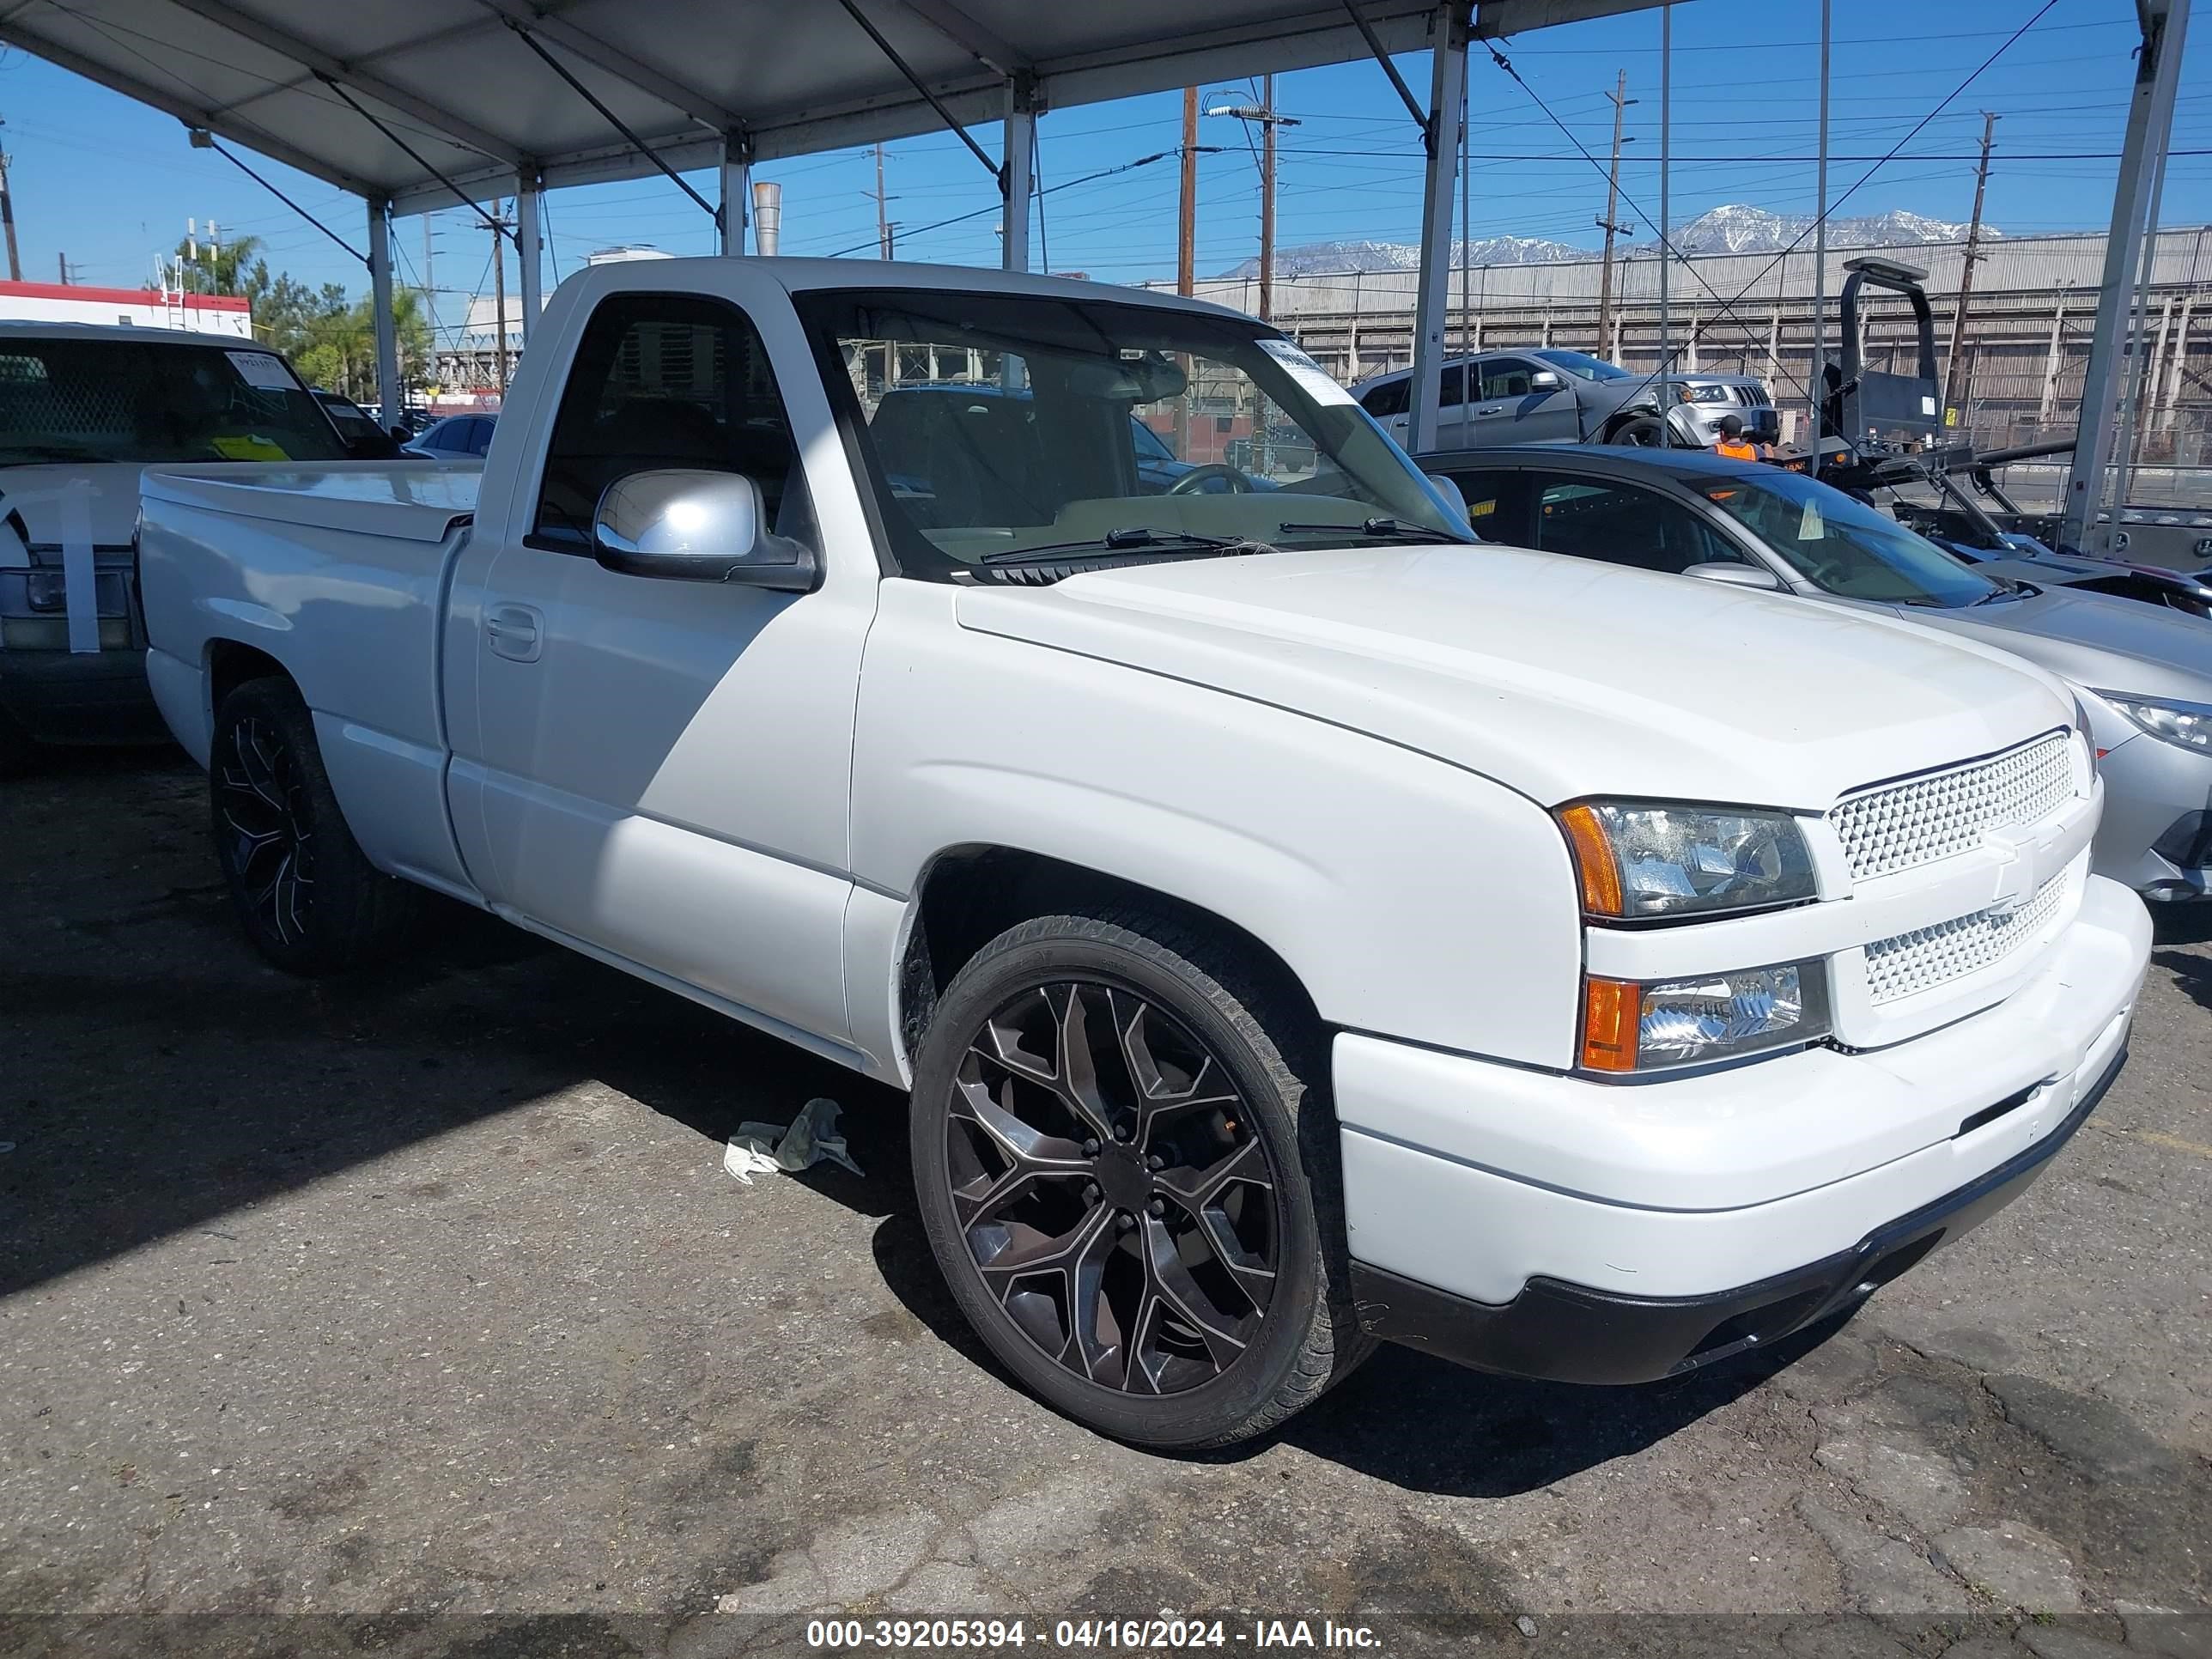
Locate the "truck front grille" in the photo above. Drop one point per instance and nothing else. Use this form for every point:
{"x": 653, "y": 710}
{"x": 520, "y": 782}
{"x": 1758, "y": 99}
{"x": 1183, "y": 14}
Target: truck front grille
{"x": 1901, "y": 826}
{"x": 1926, "y": 958}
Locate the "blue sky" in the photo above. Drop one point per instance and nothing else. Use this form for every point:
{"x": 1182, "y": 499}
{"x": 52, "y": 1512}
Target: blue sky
{"x": 109, "y": 184}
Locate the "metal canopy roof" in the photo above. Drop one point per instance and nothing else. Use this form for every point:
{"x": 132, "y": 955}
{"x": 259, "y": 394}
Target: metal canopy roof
{"x": 458, "y": 87}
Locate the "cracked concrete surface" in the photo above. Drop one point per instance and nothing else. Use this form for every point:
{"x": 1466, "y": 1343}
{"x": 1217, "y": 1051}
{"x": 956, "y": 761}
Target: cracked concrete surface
{"x": 414, "y": 1315}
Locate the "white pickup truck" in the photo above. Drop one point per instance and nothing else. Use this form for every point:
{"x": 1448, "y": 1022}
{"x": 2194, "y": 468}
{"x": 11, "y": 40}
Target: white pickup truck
{"x": 1296, "y": 923}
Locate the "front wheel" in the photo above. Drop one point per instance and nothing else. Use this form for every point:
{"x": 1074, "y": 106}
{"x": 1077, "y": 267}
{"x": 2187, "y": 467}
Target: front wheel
{"x": 1127, "y": 1167}
{"x": 305, "y": 892}
{"x": 1641, "y": 432}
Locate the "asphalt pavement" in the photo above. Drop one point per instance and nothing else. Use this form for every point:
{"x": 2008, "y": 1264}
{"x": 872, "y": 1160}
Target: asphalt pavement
{"x": 414, "y": 1314}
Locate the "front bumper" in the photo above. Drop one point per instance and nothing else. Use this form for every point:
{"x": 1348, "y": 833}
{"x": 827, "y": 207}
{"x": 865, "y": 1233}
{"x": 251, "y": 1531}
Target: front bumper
{"x": 98, "y": 696}
{"x": 2158, "y": 804}
{"x": 1563, "y": 1332}
{"x": 1548, "y": 1218}
{"x": 1701, "y": 423}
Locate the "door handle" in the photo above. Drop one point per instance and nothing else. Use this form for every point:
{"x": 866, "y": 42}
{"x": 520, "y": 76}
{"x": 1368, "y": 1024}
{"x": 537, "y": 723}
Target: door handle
{"x": 1492, "y": 409}
{"x": 515, "y": 631}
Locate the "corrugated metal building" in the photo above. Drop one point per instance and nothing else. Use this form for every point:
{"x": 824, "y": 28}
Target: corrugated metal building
{"x": 2028, "y": 334}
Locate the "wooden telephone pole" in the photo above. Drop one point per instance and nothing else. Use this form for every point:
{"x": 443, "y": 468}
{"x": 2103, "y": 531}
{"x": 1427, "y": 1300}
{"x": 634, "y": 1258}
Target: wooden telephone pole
{"x": 1955, "y": 382}
{"x": 1187, "y": 236}
{"x": 7, "y": 217}
{"x": 1621, "y": 100}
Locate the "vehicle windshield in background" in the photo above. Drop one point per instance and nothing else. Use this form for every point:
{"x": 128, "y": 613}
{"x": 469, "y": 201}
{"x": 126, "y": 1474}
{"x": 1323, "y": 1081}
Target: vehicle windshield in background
{"x": 999, "y": 424}
{"x": 64, "y": 400}
{"x": 1845, "y": 547}
{"x": 1581, "y": 365}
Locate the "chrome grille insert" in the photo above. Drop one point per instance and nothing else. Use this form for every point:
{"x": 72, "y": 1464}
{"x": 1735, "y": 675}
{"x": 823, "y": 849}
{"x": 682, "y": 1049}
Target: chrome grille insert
{"x": 1926, "y": 958}
{"x": 1900, "y": 826}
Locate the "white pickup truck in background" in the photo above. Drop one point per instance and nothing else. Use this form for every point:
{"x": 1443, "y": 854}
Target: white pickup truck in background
{"x": 83, "y": 408}
{"x": 1296, "y": 923}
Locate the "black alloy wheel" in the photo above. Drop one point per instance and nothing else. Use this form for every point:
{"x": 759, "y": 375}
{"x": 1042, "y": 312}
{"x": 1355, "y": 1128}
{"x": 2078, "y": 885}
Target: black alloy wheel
{"x": 1641, "y": 432}
{"x": 268, "y": 852}
{"x": 305, "y": 892}
{"x": 1109, "y": 1189}
{"x": 1127, "y": 1164}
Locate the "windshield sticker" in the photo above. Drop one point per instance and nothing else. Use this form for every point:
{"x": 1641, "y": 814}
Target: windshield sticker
{"x": 1311, "y": 377}
{"x": 263, "y": 370}
{"x": 1810, "y": 527}
{"x": 248, "y": 447}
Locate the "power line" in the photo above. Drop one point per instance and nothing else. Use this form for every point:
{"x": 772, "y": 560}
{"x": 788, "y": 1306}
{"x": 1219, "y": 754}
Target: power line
{"x": 1669, "y": 251}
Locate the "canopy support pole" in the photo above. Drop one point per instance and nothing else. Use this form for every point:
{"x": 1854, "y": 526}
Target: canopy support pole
{"x": 391, "y": 395}
{"x": 1015, "y": 177}
{"x": 2150, "y": 122}
{"x": 1447, "y": 85}
{"x": 529, "y": 194}
{"x": 737, "y": 190}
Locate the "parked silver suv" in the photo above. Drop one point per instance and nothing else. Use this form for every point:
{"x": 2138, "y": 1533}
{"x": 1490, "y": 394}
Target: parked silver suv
{"x": 1549, "y": 396}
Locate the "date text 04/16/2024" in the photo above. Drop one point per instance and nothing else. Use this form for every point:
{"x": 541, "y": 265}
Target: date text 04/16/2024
{"x": 1167, "y": 1633}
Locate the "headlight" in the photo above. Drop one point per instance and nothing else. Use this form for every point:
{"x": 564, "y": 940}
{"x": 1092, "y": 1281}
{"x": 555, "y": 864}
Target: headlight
{"x": 2189, "y": 724}
{"x": 1628, "y": 1027}
{"x": 1641, "y": 859}
{"x": 1703, "y": 394}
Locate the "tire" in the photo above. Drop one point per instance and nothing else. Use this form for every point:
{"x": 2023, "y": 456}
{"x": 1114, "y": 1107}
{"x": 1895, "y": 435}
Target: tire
{"x": 1640, "y": 432}
{"x": 305, "y": 894}
{"x": 1226, "y": 1258}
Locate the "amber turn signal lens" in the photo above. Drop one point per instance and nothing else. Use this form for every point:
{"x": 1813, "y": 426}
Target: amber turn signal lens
{"x": 1594, "y": 861}
{"x": 1612, "y": 1012}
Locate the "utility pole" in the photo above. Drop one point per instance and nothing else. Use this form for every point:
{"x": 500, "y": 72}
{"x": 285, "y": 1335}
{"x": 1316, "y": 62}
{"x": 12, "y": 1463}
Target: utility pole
{"x": 1264, "y": 114}
{"x": 1954, "y": 382}
{"x": 7, "y": 218}
{"x": 1621, "y": 100}
{"x": 1187, "y": 249}
{"x": 499, "y": 289}
{"x": 883, "y": 225}
{"x": 1267, "y": 202}
{"x": 1186, "y": 236}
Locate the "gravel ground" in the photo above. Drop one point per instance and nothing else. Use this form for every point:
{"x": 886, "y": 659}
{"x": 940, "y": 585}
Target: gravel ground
{"x": 415, "y": 1315}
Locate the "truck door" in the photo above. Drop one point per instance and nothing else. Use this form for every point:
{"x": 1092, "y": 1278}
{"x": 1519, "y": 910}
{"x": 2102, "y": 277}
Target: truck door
{"x": 663, "y": 764}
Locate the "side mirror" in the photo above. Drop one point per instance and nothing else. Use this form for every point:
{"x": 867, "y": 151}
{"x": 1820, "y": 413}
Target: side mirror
{"x": 1544, "y": 380}
{"x": 1732, "y": 574}
{"x": 698, "y": 527}
{"x": 1455, "y": 497}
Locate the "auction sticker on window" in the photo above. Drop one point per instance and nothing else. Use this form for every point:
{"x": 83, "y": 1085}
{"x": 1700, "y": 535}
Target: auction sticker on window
{"x": 1311, "y": 377}
{"x": 261, "y": 369}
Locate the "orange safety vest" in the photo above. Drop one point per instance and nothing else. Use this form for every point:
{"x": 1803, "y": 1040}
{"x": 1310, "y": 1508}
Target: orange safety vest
{"x": 1736, "y": 452}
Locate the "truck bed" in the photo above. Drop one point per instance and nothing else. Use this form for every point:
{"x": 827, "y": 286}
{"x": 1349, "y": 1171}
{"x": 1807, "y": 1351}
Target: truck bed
{"x": 339, "y": 572}
{"x": 408, "y": 500}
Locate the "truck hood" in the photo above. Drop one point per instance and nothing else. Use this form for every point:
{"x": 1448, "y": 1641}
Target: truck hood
{"x": 36, "y": 492}
{"x": 1558, "y": 677}
{"x": 2098, "y": 639}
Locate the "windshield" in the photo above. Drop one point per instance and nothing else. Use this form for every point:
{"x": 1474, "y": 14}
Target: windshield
{"x": 134, "y": 401}
{"x": 1585, "y": 367}
{"x": 993, "y": 424}
{"x": 1845, "y": 546}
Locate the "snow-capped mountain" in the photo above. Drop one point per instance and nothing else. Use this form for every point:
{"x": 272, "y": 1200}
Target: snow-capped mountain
{"x": 1320, "y": 259}
{"x": 1739, "y": 229}
{"x": 1732, "y": 229}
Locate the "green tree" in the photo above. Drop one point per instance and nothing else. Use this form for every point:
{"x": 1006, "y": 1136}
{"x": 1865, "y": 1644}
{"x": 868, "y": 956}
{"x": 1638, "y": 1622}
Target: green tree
{"x": 330, "y": 337}
{"x": 224, "y": 270}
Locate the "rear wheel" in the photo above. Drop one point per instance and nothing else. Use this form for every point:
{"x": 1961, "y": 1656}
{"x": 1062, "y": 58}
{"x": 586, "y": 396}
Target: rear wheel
{"x": 306, "y": 895}
{"x": 1127, "y": 1167}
